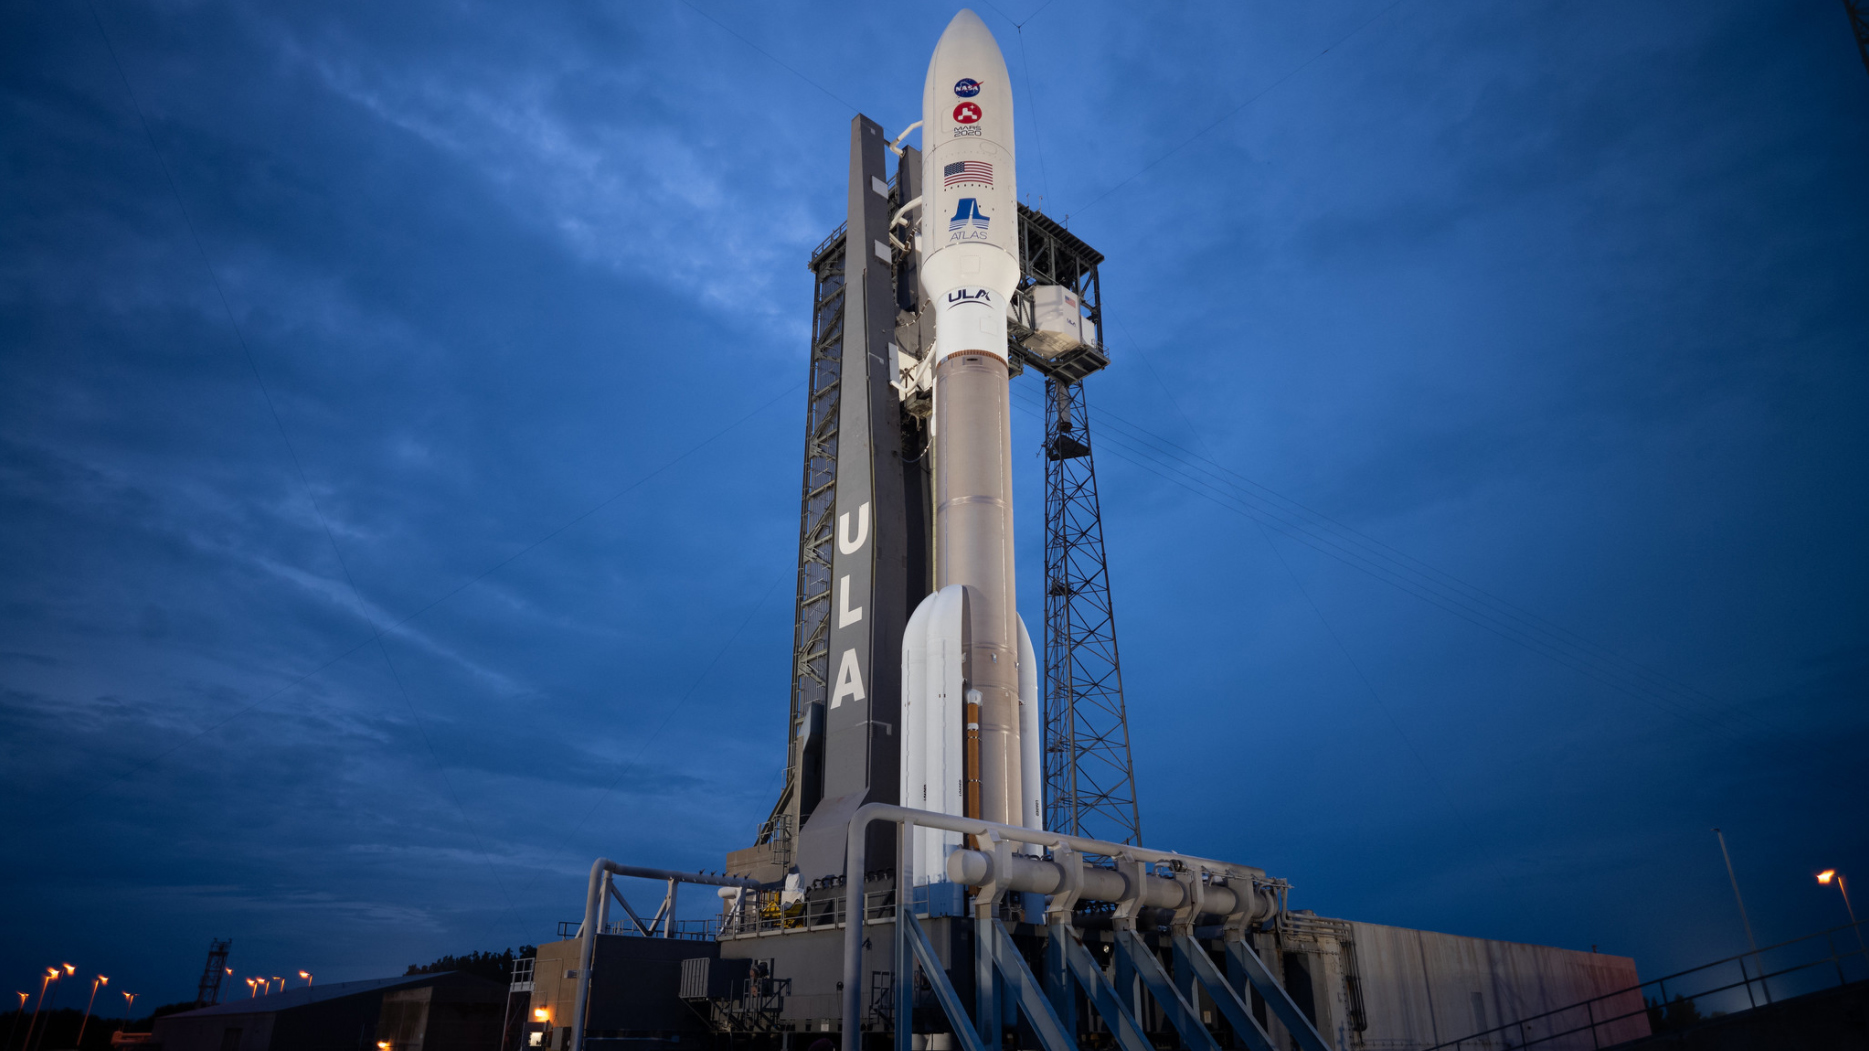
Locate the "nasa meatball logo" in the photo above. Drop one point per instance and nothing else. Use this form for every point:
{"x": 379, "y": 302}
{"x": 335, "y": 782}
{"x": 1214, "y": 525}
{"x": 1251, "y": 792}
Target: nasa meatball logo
{"x": 966, "y": 87}
{"x": 966, "y": 113}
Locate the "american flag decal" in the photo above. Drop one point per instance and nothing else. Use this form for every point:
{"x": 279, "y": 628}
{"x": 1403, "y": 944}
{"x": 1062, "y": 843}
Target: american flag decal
{"x": 967, "y": 171}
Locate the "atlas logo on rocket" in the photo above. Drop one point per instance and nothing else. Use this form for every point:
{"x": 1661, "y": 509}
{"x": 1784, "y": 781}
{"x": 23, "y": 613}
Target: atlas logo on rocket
{"x": 969, "y": 222}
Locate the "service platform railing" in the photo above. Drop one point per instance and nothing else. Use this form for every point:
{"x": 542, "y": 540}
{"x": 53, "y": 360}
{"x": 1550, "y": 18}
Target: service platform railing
{"x": 693, "y": 930}
{"x": 767, "y": 914}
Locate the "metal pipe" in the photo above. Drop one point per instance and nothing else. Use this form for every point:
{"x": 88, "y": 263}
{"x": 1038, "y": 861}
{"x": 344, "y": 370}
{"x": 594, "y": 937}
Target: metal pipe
{"x": 896, "y": 146}
{"x": 854, "y": 868}
{"x": 1036, "y": 875}
{"x": 587, "y": 932}
{"x": 901, "y": 212}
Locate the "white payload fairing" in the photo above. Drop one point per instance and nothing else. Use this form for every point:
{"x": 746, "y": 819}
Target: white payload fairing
{"x": 971, "y": 739}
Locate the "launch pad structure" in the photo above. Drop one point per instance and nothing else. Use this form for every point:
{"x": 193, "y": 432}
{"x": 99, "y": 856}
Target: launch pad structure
{"x": 945, "y": 876}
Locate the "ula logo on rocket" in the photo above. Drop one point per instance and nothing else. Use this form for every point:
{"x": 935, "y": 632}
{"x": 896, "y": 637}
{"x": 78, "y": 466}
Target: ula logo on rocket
{"x": 966, "y": 87}
{"x": 970, "y": 295}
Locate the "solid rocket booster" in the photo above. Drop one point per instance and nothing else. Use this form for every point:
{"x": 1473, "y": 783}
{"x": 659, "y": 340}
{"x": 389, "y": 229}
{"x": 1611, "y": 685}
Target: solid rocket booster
{"x": 966, "y": 654}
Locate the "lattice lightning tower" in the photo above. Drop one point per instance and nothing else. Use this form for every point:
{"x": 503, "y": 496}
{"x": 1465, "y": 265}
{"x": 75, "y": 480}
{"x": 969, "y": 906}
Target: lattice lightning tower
{"x": 1090, "y": 784}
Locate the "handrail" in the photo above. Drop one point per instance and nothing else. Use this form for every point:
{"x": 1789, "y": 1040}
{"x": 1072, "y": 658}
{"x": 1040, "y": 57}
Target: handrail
{"x": 688, "y": 930}
{"x": 593, "y": 900}
{"x": 831, "y": 913}
{"x": 1660, "y": 984}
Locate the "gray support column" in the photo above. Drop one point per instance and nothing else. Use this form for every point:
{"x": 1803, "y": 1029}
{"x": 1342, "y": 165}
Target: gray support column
{"x": 1148, "y": 970}
{"x": 986, "y": 1008}
{"x": 1058, "y": 971}
{"x": 903, "y": 1001}
{"x": 1023, "y": 990}
{"x": 1192, "y": 962}
{"x": 1121, "y": 1018}
{"x": 1242, "y": 962}
{"x": 943, "y": 991}
{"x": 1128, "y": 990}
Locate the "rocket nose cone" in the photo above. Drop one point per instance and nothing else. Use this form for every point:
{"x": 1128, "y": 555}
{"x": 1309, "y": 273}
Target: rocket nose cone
{"x": 966, "y": 50}
{"x": 967, "y": 30}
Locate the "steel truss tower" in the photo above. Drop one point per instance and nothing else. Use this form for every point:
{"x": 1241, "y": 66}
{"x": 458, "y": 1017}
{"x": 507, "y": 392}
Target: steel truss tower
{"x": 1090, "y": 781}
{"x": 209, "y": 992}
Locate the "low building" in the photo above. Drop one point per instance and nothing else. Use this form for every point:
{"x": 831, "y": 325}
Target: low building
{"x": 635, "y": 993}
{"x": 1366, "y": 985}
{"x": 450, "y": 1011}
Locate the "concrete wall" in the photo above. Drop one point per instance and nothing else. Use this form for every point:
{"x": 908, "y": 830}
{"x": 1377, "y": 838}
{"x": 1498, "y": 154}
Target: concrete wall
{"x": 1420, "y": 988}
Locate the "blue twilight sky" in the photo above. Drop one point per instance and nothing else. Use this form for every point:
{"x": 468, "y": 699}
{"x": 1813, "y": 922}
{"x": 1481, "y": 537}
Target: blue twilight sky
{"x": 485, "y": 325}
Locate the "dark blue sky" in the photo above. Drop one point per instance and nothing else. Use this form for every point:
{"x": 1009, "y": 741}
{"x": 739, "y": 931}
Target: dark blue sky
{"x": 485, "y": 325}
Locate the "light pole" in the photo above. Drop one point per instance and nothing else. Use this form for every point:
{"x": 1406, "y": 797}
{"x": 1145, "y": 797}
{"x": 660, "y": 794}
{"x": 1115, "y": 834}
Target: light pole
{"x": 69, "y": 971}
{"x": 17, "y": 1015}
{"x": 308, "y": 978}
{"x": 51, "y": 975}
{"x": 1832, "y": 874}
{"x": 253, "y": 989}
{"x": 95, "y": 982}
{"x": 1750, "y": 942}
{"x": 129, "y": 1004}
{"x": 281, "y": 981}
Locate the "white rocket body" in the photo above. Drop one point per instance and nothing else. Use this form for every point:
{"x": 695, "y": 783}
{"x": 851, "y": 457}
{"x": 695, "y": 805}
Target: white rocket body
{"x": 966, "y": 640}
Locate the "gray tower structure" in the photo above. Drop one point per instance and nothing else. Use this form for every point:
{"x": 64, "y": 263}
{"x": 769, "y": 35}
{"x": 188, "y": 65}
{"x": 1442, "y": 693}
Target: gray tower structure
{"x": 208, "y": 993}
{"x": 863, "y": 523}
{"x": 865, "y": 543}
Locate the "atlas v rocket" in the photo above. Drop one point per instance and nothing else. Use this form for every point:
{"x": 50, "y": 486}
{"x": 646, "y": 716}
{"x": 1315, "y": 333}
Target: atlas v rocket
{"x": 971, "y": 738}
{"x": 906, "y": 504}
